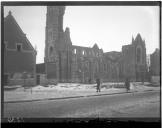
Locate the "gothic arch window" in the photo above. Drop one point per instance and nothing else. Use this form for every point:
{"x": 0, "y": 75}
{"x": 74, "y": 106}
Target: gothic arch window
{"x": 50, "y": 35}
{"x": 96, "y": 67}
{"x": 83, "y": 52}
{"x": 105, "y": 67}
{"x": 50, "y": 51}
{"x": 138, "y": 55}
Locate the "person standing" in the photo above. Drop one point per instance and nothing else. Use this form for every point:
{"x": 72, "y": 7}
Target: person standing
{"x": 98, "y": 85}
{"x": 127, "y": 84}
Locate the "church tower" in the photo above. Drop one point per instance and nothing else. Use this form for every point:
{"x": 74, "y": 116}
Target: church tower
{"x": 53, "y": 32}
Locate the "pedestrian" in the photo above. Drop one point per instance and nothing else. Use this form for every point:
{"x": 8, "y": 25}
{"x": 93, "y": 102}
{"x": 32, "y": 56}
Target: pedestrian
{"x": 127, "y": 84}
{"x": 98, "y": 84}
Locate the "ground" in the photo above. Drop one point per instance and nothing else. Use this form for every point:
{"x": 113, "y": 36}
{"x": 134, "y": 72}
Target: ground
{"x": 82, "y": 100}
{"x": 141, "y": 108}
{"x": 69, "y": 90}
{"x": 138, "y": 104}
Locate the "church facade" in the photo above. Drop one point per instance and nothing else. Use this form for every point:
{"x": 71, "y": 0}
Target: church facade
{"x": 65, "y": 62}
{"x": 134, "y": 59}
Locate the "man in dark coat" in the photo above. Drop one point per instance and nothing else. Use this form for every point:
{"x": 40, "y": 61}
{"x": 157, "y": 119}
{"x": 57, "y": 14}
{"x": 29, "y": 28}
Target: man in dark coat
{"x": 127, "y": 84}
{"x": 98, "y": 84}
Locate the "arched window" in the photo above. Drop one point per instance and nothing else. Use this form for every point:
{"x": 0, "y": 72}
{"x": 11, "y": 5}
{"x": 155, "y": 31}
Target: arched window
{"x": 104, "y": 67}
{"x": 83, "y": 52}
{"x": 50, "y": 35}
{"x": 51, "y": 51}
{"x": 138, "y": 55}
{"x": 96, "y": 67}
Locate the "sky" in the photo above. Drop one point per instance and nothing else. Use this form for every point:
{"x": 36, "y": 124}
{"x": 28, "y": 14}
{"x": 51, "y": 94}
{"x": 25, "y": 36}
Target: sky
{"x": 108, "y": 26}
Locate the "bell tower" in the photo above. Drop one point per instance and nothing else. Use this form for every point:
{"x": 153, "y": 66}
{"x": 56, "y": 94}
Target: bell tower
{"x": 54, "y": 29}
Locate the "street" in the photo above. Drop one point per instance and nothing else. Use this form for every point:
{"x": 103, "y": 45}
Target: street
{"x": 138, "y": 104}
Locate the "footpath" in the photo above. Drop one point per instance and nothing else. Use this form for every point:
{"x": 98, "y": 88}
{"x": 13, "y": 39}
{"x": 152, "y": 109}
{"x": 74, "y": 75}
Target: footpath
{"x": 67, "y": 91}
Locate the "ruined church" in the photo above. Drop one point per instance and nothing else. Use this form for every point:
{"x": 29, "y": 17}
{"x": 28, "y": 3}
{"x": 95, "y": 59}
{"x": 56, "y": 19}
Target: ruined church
{"x": 65, "y": 62}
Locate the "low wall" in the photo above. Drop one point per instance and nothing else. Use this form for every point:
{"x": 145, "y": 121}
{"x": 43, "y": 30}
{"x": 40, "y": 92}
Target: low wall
{"x": 26, "y": 82}
{"x": 76, "y": 80}
{"x": 44, "y": 81}
{"x": 52, "y": 81}
{"x": 155, "y": 79}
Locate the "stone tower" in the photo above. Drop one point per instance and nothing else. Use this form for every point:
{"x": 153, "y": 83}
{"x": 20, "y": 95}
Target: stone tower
{"x": 140, "y": 58}
{"x": 53, "y": 32}
{"x": 57, "y": 45}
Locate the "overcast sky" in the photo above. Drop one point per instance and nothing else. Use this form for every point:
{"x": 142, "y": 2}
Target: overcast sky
{"x": 108, "y": 26}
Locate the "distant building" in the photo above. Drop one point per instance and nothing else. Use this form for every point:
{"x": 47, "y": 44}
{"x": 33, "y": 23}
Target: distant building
{"x": 19, "y": 54}
{"x": 155, "y": 65}
{"x": 65, "y": 62}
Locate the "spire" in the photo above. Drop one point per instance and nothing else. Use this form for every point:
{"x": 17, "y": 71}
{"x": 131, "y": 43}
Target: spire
{"x": 95, "y": 46}
{"x": 138, "y": 37}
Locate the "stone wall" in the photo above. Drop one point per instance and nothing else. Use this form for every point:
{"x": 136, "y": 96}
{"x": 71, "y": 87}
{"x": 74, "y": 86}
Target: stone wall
{"x": 86, "y": 64}
{"x": 26, "y": 82}
{"x": 27, "y": 79}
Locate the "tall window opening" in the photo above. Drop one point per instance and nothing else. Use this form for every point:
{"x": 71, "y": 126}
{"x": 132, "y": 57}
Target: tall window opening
{"x": 83, "y": 52}
{"x": 138, "y": 55}
{"x": 51, "y": 51}
{"x": 97, "y": 67}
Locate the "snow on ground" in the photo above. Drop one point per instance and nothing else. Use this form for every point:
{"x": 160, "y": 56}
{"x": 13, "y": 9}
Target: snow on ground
{"x": 68, "y": 90}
